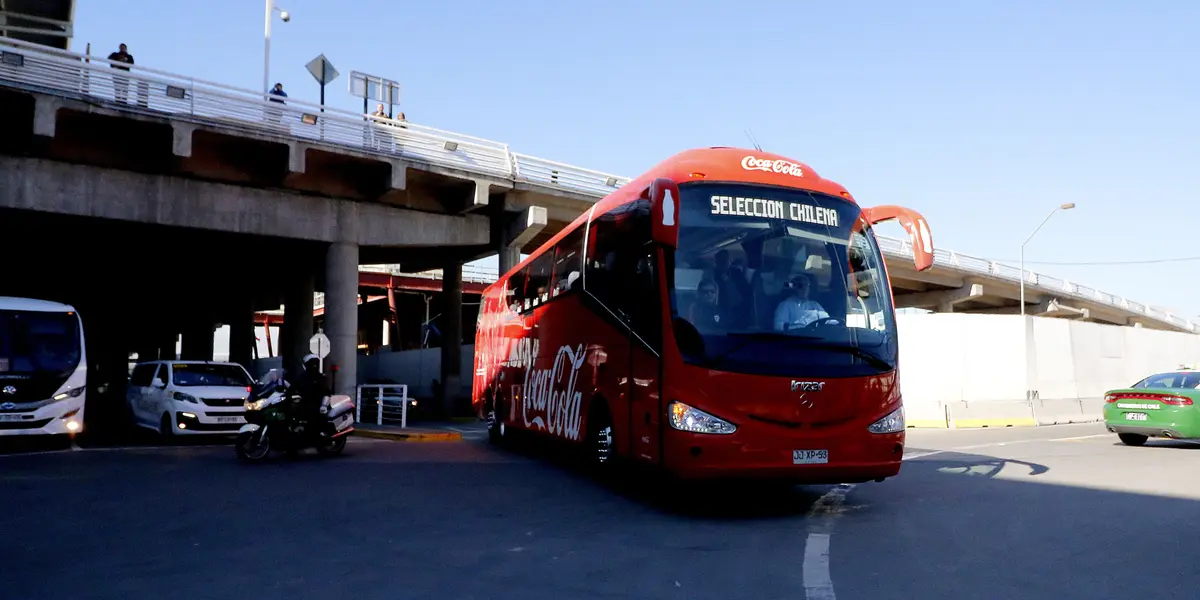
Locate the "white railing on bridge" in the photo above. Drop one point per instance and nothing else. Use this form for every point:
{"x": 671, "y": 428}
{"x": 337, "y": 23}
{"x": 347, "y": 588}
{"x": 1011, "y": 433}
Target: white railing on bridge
{"x": 150, "y": 91}
{"x": 902, "y": 248}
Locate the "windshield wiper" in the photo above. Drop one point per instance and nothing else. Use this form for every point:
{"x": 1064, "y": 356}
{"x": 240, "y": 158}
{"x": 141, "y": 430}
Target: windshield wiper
{"x": 753, "y": 336}
{"x": 857, "y": 351}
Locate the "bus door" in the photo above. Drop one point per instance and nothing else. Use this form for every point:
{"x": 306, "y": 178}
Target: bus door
{"x": 622, "y": 274}
{"x": 645, "y": 382}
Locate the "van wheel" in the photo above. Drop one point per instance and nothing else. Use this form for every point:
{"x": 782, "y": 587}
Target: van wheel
{"x": 166, "y": 428}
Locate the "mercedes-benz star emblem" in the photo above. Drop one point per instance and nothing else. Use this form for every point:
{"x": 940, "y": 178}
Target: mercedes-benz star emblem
{"x": 10, "y": 390}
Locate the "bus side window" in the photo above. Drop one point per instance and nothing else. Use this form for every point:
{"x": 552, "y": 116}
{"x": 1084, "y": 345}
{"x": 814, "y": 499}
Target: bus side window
{"x": 537, "y": 287}
{"x": 568, "y": 262}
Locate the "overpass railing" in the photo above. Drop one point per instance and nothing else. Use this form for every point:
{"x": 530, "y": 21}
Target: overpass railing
{"x": 902, "y": 248}
{"x": 160, "y": 93}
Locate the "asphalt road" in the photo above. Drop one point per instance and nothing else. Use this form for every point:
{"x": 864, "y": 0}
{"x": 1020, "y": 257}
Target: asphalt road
{"x": 1017, "y": 513}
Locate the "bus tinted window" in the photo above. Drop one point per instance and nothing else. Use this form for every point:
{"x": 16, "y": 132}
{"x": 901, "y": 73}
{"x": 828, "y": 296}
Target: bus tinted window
{"x": 620, "y": 270}
{"x": 568, "y": 262}
{"x": 38, "y": 342}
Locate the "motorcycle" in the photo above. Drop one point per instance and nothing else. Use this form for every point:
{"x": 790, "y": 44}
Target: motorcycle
{"x": 269, "y": 426}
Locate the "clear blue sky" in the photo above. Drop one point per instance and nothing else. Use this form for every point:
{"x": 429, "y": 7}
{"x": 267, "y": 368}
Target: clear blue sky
{"x": 982, "y": 114}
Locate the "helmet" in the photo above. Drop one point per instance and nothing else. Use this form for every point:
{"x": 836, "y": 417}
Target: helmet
{"x": 310, "y": 358}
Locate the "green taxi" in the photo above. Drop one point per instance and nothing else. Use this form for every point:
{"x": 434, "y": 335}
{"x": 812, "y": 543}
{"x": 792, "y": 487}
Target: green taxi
{"x": 1164, "y": 405}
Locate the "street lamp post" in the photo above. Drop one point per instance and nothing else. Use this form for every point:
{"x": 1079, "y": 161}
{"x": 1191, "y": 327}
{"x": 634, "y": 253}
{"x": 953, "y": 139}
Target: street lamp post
{"x": 283, "y": 14}
{"x": 1025, "y": 326}
{"x": 1067, "y": 206}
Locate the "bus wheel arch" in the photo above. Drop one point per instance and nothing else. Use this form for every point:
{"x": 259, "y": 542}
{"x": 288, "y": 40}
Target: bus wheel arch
{"x": 493, "y": 410}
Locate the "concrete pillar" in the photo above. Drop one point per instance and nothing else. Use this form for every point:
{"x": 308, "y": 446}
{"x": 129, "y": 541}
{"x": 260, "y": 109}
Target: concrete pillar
{"x": 393, "y": 330}
{"x": 168, "y": 346}
{"x": 241, "y": 334}
{"x": 198, "y": 337}
{"x": 297, "y": 325}
{"x": 451, "y": 328}
{"x": 509, "y": 257}
{"x": 341, "y": 315}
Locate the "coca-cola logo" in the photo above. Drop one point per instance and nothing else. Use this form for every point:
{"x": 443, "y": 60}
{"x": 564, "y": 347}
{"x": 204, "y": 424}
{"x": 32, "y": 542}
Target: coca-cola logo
{"x": 552, "y": 400}
{"x": 784, "y": 167}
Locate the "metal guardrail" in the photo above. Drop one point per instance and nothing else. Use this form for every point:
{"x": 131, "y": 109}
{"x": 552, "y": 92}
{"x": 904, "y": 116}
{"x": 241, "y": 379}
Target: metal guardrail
{"x": 150, "y": 91}
{"x": 388, "y": 403}
{"x": 902, "y": 248}
{"x": 48, "y": 70}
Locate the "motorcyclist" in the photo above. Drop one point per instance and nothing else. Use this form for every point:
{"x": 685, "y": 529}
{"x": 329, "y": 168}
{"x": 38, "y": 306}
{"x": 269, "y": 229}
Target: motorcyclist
{"x": 312, "y": 388}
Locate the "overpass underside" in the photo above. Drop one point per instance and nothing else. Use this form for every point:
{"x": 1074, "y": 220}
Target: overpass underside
{"x": 161, "y": 230}
{"x": 944, "y": 290}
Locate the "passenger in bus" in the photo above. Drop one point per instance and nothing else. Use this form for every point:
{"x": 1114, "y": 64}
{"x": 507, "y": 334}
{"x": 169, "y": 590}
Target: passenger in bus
{"x": 733, "y": 287}
{"x": 705, "y": 313}
{"x": 796, "y": 311}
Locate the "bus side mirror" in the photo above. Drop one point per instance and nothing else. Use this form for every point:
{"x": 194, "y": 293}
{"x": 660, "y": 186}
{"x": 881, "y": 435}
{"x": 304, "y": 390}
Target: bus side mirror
{"x": 912, "y": 222}
{"x": 663, "y": 194}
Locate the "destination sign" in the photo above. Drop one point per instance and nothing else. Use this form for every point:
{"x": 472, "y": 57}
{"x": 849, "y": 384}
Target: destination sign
{"x": 773, "y": 209}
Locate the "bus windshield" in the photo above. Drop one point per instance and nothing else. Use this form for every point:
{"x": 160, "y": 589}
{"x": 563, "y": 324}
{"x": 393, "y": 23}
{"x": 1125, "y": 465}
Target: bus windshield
{"x": 779, "y": 281}
{"x": 38, "y": 342}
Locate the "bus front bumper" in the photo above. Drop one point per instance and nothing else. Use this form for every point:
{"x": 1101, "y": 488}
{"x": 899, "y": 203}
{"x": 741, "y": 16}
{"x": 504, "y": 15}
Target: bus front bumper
{"x": 63, "y": 417}
{"x": 810, "y": 459}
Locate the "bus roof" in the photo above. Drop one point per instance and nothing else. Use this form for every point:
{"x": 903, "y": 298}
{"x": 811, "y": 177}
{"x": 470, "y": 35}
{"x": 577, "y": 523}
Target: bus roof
{"x": 33, "y": 305}
{"x": 718, "y": 163}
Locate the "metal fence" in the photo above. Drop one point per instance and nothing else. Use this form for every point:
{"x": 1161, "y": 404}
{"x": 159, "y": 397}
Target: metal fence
{"x": 383, "y": 404}
{"x": 150, "y": 91}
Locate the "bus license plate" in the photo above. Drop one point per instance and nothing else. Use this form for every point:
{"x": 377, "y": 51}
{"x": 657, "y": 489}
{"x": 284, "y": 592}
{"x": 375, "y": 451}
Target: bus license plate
{"x": 228, "y": 419}
{"x": 1135, "y": 416}
{"x": 810, "y": 457}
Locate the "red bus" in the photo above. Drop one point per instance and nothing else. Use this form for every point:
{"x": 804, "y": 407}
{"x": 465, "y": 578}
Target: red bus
{"x": 726, "y": 314}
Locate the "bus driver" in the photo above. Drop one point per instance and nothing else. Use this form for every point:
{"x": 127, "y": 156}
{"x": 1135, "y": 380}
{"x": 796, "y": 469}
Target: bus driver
{"x": 796, "y": 311}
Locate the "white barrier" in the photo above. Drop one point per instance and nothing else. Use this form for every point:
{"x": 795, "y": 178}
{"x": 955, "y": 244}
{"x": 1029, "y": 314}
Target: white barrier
{"x": 390, "y": 402}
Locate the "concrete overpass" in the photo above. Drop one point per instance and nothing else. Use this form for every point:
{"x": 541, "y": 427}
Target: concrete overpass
{"x": 169, "y": 196}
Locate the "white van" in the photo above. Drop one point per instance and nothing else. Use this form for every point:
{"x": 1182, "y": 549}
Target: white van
{"x": 189, "y": 397}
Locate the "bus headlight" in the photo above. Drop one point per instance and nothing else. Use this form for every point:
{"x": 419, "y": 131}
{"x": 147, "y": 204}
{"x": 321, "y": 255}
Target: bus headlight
{"x": 687, "y": 418}
{"x": 892, "y": 423}
{"x": 71, "y": 393}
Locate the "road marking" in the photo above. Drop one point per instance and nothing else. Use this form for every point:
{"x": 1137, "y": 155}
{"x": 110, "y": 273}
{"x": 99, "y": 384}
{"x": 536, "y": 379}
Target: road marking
{"x": 818, "y": 584}
{"x": 1080, "y": 437}
{"x": 921, "y": 455}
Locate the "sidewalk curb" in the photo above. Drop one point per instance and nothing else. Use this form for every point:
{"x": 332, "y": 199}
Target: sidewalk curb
{"x": 410, "y": 436}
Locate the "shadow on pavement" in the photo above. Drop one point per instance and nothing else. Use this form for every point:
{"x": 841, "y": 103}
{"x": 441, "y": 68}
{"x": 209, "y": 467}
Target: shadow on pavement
{"x": 957, "y": 525}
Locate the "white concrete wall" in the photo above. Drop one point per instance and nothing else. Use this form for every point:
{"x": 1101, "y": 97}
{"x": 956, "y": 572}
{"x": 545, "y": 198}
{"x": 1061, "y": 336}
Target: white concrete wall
{"x": 415, "y": 368}
{"x": 971, "y": 367}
